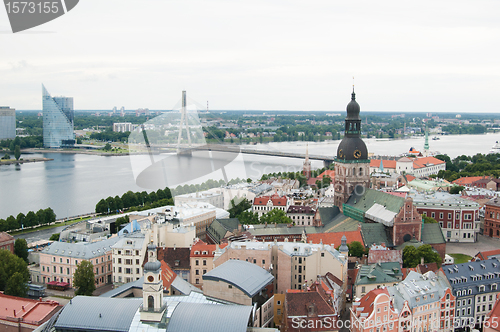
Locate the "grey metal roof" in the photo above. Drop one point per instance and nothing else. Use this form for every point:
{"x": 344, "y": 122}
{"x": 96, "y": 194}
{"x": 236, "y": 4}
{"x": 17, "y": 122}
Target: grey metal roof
{"x": 132, "y": 241}
{"x": 137, "y": 284}
{"x": 248, "y": 277}
{"x": 184, "y": 287}
{"x": 471, "y": 275}
{"x": 81, "y": 250}
{"x": 193, "y": 317}
{"x": 87, "y": 313}
{"x": 418, "y": 290}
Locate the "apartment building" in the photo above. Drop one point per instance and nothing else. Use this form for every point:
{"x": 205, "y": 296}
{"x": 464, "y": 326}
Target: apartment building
{"x": 419, "y": 303}
{"x": 59, "y": 261}
{"x": 457, "y": 217}
{"x": 294, "y": 265}
{"x": 475, "y": 285}
{"x": 202, "y": 261}
{"x": 128, "y": 258}
{"x": 263, "y": 204}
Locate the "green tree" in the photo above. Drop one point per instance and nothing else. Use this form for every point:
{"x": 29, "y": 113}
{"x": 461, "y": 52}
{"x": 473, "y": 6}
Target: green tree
{"x": 237, "y": 209}
{"x": 248, "y": 218}
{"x": 275, "y": 216}
{"x": 107, "y": 147}
{"x": 17, "y": 152}
{"x": 412, "y": 256}
{"x": 21, "y": 249}
{"x": 9, "y": 265}
{"x": 6, "y": 156}
{"x": 101, "y": 206}
{"x": 16, "y": 285}
{"x": 55, "y": 237}
{"x": 120, "y": 221}
{"x": 31, "y": 219}
{"x": 21, "y": 219}
{"x": 456, "y": 190}
{"x": 356, "y": 249}
{"x": 429, "y": 220}
{"x": 50, "y": 216}
{"x": 84, "y": 279}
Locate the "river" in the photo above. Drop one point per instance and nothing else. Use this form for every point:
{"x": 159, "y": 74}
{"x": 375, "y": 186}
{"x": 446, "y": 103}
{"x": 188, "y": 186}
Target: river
{"x": 72, "y": 184}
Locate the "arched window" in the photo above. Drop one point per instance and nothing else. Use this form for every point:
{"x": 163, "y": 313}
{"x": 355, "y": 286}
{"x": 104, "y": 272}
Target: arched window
{"x": 361, "y": 171}
{"x": 151, "y": 302}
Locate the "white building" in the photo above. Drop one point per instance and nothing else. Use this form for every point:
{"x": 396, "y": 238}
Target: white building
{"x": 124, "y": 127}
{"x": 212, "y": 197}
{"x": 128, "y": 257}
{"x": 420, "y": 167}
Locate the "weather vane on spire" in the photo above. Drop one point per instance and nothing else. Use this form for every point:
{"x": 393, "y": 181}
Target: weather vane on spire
{"x": 353, "y": 84}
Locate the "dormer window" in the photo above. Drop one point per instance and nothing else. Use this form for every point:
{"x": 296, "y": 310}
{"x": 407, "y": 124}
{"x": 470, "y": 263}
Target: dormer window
{"x": 205, "y": 253}
{"x": 197, "y": 252}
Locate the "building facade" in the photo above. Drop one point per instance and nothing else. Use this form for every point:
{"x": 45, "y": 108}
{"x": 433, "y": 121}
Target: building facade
{"x": 58, "y": 116}
{"x": 294, "y": 265}
{"x": 352, "y": 167}
{"x": 457, "y": 217}
{"x": 7, "y": 242}
{"x": 263, "y": 204}
{"x": 128, "y": 258}
{"x": 301, "y": 215}
{"x": 475, "y": 285}
{"x": 420, "y": 167}
{"x": 202, "y": 261}
{"x": 59, "y": 261}
{"x": 7, "y": 123}
{"x": 492, "y": 218}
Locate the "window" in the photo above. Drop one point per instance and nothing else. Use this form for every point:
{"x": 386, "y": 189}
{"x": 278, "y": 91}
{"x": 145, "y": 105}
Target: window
{"x": 205, "y": 262}
{"x": 197, "y": 272}
{"x": 197, "y": 281}
{"x": 433, "y": 214}
{"x": 196, "y": 262}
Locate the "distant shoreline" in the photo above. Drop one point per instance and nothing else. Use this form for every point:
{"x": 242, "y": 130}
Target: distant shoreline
{"x": 88, "y": 152}
{"x": 23, "y": 161}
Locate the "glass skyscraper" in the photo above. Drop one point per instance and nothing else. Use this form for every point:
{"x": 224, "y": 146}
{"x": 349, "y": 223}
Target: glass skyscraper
{"x": 7, "y": 123}
{"x": 58, "y": 115}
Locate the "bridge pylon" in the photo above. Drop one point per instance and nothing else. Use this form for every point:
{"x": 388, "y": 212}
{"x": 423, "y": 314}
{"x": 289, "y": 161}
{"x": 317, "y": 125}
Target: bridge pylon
{"x": 184, "y": 121}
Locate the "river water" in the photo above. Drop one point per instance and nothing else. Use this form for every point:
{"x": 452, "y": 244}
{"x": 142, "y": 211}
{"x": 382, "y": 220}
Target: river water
{"x": 72, "y": 184}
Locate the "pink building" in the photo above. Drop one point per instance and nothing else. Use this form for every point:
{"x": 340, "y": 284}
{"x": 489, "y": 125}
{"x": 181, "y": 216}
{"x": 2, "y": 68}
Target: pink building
{"x": 59, "y": 261}
{"x": 6, "y": 242}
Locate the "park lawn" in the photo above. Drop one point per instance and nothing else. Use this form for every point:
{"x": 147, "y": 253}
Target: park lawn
{"x": 461, "y": 258}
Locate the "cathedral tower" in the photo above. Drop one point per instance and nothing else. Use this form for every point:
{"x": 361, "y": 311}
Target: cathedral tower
{"x": 352, "y": 167}
{"x": 152, "y": 289}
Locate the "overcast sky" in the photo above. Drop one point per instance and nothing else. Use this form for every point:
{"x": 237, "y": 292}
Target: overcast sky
{"x": 422, "y": 55}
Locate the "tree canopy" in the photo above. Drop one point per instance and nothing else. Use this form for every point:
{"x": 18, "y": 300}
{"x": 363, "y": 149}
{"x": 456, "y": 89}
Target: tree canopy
{"x": 21, "y": 249}
{"x": 277, "y": 216}
{"x": 84, "y": 279}
{"x": 10, "y": 264}
{"x": 412, "y": 255}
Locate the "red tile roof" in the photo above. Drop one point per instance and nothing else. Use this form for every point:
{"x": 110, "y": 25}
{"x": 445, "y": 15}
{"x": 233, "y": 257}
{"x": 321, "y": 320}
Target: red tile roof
{"x": 425, "y": 161}
{"x": 397, "y": 193}
{"x": 4, "y": 237}
{"x": 483, "y": 255}
{"x": 466, "y": 180}
{"x": 200, "y": 247}
{"x": 33, "y": 312}
{"x": 296, "y": 303}
{"x": 410, "y": 177}
{"x": 167, "y": 275}
{"x": 335, "y": 238}
{"x": 366, "y": 301}
{"x": 391, "y": 164}
{"x": 275, "y": 199}
{"x": 382, "y": 256}
{"x": 329, "y": 173}
{"x": 493, "y": 321}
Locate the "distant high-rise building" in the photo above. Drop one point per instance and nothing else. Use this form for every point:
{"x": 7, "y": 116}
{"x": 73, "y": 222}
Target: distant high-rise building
{"x": 7, "y": 123}
{"x": 58, "y": 116}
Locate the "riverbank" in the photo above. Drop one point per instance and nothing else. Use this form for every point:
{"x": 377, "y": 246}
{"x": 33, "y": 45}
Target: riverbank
{"x": 57, "y": 223}
{"x": 23, "y": 161}
{"x": 80, "y": 151}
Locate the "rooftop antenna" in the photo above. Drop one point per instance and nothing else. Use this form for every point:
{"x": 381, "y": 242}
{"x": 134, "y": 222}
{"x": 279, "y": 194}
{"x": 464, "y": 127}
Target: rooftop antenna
{"x": 207, "y": 106}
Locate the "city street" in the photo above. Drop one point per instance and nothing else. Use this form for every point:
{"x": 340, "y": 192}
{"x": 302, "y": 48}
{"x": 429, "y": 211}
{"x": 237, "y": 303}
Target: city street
{"x": 483, "y": 243}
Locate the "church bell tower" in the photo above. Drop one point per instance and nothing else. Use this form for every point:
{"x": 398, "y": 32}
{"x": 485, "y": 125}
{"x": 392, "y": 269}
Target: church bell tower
{"x": 352, "y": 167}
{"x": 152, "y": 288}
